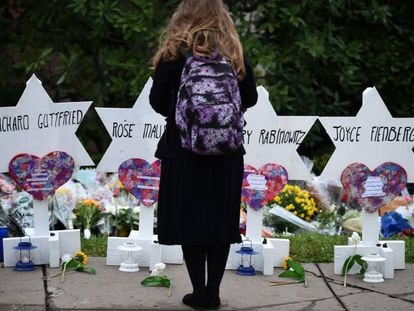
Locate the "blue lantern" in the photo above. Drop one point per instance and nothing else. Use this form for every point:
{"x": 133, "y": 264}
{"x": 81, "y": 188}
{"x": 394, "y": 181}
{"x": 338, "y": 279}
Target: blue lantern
{"x": 246, "y": 253}
{"x": 24, "y": 258}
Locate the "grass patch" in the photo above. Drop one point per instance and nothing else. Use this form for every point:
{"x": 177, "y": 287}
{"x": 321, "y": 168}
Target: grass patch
{"x": 304, "y": 247}
{"x": 314, "y": 247}
{"x": 95, "y": 246}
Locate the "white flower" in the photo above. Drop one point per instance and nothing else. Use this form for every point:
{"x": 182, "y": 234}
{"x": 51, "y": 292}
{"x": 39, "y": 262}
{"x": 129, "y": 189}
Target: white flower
{"x": 160, "y": 266}
{"x": 158, "y": 269}
{"x": 66, "y": 258}
{"x": 155, "y": 272}
{"x": 135, "y": 209}
{"x": 356, "y": 239}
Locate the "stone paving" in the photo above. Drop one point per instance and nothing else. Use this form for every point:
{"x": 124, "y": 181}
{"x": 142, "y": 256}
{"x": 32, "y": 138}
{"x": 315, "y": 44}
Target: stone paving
{"x": 111, "y": 289}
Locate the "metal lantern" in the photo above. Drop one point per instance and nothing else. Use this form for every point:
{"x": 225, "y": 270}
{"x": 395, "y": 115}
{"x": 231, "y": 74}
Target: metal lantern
{"x": 246, "y": 253}
{"x": 24, "y": 255}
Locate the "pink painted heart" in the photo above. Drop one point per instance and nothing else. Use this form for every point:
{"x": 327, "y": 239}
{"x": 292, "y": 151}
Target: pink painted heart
{"x": 141, "y": 179}
{"x": 373, "y": 189}
{"x": 41, "y": 176}
{"x": 262, "y": 185}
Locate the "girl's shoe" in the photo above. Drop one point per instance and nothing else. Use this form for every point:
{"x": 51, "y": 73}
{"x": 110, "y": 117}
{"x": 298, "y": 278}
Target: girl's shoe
{"x": 213, "y": 303}
{"x": 195, "y": 302}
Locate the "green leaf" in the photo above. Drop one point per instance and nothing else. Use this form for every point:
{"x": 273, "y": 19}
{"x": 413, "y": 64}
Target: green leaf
{"x": 348, "y": 264}
{"x": 300, "y": 271}
{"x": 72, "y": 264}
{"x": 289, "y": 274}
{"x": 295, "y": 271}
{"x": 92, "y": 270}
{"x": 156, "y": 281}
{"x": 362, "y": 263}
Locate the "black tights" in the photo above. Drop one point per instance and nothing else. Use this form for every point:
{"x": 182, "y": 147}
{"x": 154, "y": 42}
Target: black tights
{"x": 195, "y": 259}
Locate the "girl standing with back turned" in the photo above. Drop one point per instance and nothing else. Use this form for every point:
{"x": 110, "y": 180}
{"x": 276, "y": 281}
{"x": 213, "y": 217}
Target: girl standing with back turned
{"x": 199, "y": 196}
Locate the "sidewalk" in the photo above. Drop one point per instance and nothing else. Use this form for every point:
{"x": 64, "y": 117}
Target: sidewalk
{"x": 111, "y": 289}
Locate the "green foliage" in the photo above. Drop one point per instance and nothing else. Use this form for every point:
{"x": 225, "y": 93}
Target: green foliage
{"x": 317, "y": 57}
{"x": 314, "y": 247}
{"x": 153, "y": 281}
{"x": 314, "y": 57}
{"x": 304, "y": 247}
{"x": 295, "y": 270}
{"x": 81, "y": 50}
{"x": 87, "y": 214}
{"x": 96, "y": 246}
{"x": 351, "y": 261}
{"x": 125, "y": 220}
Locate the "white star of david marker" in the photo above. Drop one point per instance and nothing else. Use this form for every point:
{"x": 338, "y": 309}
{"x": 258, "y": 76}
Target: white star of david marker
{"x": 269, "y": 138}
{"x": 135, "y": 132}
{"x": 372, "y": 137}
{"x": 37, "y": 125}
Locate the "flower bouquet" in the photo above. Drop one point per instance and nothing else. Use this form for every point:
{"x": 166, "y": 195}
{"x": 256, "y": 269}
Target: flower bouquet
{"x": 87, "y": 214}
{"x": 7, "y": 185}
{"x": 64, "y": 202}
{"x": 298, "y": 201}
{"x": 291, "y": 209}
{"x": 125, "y": 219}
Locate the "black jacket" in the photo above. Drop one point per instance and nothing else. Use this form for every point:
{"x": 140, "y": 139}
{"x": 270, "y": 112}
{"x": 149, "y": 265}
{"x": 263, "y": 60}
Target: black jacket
{"x": 163, "y": 97}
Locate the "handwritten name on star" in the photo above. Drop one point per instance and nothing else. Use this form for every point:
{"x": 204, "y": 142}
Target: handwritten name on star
{"x": 375, "y": 133}
{"x": 276, "y": 136}
{"x": 145, "y": 131}
{"x": 25, "y": 122}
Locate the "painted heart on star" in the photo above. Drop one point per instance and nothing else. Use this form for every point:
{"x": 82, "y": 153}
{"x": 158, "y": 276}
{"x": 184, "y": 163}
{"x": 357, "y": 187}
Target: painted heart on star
{"x": 41, "y": 176}
{"x": 373, "y": 189}
{"x": 141, "y": 179}
{"x": 262, "y": 185}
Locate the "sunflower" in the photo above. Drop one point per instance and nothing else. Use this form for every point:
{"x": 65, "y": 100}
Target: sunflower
{"x": 82, "y": 257}
{"x": 285, "y": 262}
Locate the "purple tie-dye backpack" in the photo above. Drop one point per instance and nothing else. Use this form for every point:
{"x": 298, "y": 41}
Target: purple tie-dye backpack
{"x": 209, "y": 115}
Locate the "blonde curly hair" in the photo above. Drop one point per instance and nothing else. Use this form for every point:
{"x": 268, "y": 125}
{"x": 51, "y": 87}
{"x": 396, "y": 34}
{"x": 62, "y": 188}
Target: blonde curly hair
{"x": 201, "y": 27}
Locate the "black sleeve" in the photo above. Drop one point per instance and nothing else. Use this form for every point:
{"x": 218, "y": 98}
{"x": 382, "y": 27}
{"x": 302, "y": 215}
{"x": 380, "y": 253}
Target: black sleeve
{"x": 162, "y": 89}
{"x": 247, "y": 86}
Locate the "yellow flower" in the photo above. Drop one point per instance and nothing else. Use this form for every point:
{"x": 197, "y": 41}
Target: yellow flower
{"x": 298, "y": 201}
{"x": 90, "y": 202}
{"x": 285, "y": 262}
{"x": 82, "y": 257}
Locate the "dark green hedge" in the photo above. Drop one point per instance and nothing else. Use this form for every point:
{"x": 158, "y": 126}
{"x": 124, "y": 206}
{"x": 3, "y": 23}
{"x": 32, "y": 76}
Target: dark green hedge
{"x": 314, "y": 57}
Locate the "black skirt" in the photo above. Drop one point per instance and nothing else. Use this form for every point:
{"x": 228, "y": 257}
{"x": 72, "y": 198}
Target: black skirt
{"x": 199, "y": 200}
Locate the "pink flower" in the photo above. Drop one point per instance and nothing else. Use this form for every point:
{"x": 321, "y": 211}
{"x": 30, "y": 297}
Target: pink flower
{"x": 408, "y": 198}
